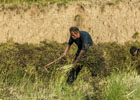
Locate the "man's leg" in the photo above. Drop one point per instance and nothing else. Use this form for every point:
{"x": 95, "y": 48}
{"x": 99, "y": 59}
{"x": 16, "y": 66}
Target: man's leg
{"x": 73, "y": 74}
{"x": 75, "y": 71}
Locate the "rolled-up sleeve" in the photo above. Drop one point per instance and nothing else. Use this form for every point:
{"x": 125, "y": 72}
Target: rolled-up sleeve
{"x": 85, "y": 43}
{"x": 70, "y": 41}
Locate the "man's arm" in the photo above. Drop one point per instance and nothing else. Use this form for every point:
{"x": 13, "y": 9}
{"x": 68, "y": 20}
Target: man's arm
{"x": 65, "y": 51}
{"x": 67, "y": 47}
{"x": 79, "y": 56}
{"x": 63, "y": 55}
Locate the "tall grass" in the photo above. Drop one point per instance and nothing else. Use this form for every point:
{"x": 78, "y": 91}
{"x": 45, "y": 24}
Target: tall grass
{"x": 57, "y": 89}
{"x": 122, "y": 86}
{"x": 23, "y": 77}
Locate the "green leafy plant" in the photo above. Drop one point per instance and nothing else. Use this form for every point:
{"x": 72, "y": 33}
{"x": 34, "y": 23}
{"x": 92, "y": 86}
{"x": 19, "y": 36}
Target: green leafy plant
{"x": 135, "y": 35}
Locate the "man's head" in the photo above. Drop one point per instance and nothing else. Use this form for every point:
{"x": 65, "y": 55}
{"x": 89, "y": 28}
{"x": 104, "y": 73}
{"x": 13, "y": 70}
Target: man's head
{"x": 133, "y": 51}
{"x": 74, "y": 31}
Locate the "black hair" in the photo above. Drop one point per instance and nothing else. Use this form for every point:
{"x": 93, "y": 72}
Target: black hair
{"x": 74, "y": 29}
{"x": 133, "y": 49}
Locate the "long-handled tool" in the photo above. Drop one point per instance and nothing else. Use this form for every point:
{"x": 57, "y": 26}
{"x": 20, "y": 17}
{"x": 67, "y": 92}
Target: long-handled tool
{"x": 52, "y": 63}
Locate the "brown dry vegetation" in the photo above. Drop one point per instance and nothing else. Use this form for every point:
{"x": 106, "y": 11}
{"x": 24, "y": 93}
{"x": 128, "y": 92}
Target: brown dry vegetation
{"x": 23, "y": 65}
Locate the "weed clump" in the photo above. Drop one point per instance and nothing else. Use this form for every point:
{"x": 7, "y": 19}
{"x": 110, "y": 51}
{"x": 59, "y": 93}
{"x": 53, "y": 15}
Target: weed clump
{"x": 22, "y": 65}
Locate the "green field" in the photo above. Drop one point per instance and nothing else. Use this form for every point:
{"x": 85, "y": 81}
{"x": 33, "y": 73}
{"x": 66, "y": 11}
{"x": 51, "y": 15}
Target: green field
{"x": 23, "y": 76}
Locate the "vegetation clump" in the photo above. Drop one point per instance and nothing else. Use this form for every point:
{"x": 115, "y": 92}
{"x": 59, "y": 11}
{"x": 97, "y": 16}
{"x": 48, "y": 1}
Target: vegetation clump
{"x": 23, "y": 76}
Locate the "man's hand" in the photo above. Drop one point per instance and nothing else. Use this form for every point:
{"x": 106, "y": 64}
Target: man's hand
{"x": 46, "y": 65}
{"x": 75, "y": 64}
{"x": 63, "y": 55}
{"x": 79, "y": 57}
{"x": 65, "y": 51}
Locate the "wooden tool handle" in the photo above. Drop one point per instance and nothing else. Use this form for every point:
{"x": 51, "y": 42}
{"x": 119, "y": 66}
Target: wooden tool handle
{"x": 53, "y": 61}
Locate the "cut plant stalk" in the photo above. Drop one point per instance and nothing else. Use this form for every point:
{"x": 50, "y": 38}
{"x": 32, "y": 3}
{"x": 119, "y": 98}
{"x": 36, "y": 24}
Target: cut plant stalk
{"x": 66, "y": 68}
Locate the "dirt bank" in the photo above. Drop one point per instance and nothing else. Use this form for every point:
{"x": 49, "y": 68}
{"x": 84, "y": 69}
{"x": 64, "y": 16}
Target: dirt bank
{"x": 106, "y": 21}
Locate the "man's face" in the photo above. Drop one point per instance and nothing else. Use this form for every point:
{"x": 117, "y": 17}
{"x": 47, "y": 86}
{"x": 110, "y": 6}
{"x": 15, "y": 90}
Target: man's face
{"x": 75, "y": 36}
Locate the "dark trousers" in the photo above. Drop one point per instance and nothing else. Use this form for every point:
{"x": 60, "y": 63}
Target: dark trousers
{"x": 73, "y": 74}
{"x": 74, "y": 71}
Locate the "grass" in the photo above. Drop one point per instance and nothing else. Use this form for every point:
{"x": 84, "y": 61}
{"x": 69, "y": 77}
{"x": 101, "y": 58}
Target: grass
{"x": 136, "y": 35}
{"x": 122, "y": 86}
{"x": 33, "y": 1}
{"x": 56, "y": 89}
{"x": 22, "y": 73}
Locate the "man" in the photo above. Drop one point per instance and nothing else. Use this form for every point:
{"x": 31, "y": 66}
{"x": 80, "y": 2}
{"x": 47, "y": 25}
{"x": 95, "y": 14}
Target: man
{"x": 134, "y": 51}
{"x": 83, "y": 41}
